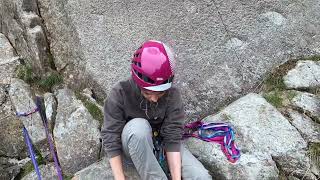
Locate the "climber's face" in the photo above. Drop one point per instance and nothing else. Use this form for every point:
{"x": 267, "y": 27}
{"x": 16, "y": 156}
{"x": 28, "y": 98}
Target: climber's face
{"x": 152, "y": 96}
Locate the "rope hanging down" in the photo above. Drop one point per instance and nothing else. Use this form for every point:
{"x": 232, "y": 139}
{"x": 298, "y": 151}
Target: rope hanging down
{"x": 220, "y": 133}
{"x": 31, "y": 151}
{"x": 29, "y": 144}
{"x": 51, "y": 146}
{"x": 50, "y": 141}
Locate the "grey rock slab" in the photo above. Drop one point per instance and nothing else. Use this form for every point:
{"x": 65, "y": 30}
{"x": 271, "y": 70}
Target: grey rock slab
{"x": 229, "y": 44}
{"x": 21, "y": 24}
{"x": 251, "y": 166}
{"x": 309, "y": 129}
{"x": 9, "y": 168}
{"x": 261, "y": 132}
{"x": 65, "y": 45}
{"x": 6, "y": 50}
{"x": 297, "y": 165}
{"x": 102, "y": 170}
{"x": 76, "y": 133}
{"x": 51, "y": 109}
{"x": 11, "y": 137}
{"x": 308, "y": 103}
{"x": 23, "y": 102}
{"x": 8, "y": 60}
{"x": 306, "y": 74}
{"x": 48, "y": 172}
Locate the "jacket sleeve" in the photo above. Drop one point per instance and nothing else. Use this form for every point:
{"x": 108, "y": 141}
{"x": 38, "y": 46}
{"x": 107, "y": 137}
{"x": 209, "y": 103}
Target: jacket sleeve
{"x": 172, "y": 127}
{"x": 113, "y": 123}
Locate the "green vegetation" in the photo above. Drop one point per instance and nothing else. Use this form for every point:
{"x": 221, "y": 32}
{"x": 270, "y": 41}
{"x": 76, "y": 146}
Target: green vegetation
{"x": 25, "y": 72}
{"x": 93, "y": 109}
{"x": 291, "y": 95}
{"x": 67, "y": 177}
{"x": 274, "y": 80}
{"x": 48, "y": 82}
{"x": 274, "y": 98}
{"x": 314, "y": 153}
{"x": 312, "y": 58}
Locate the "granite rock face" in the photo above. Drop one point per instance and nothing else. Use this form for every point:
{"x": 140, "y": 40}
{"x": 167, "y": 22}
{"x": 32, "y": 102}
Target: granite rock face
{"x": 8, "y": 60}
{"x": 102, "y": 170}
{"x": 23, "y": 102}
{"x": 307, "y": 103}
{"x": 306, "y": 74}
{"x": 262, "y": 132}
{"x": 223, "y": 48}
{"x": 22, "y": 25}
{"x": 309, "y": 129}
{"x": 48, "y": 172}
{"x": 11, "y": 137}
{"x": 76, "y": 133}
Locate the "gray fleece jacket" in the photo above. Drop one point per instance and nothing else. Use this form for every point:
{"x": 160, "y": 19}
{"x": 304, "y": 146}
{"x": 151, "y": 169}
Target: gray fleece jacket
{"x": 125, "y": 102}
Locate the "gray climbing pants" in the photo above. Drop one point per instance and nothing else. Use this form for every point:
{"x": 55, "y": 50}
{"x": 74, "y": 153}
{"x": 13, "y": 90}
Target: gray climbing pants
{"x": 138, "y": 150}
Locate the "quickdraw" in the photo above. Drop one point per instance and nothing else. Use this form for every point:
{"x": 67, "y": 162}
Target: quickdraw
{"x": 220, "y": 133}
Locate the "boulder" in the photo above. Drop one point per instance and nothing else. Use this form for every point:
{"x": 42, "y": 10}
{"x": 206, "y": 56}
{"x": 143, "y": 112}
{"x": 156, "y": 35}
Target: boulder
{"x": 102, "y": 170}
{"x": 48, "y": 172}
{"x": 11, "y": 137}
{"x": 307, "y": 103}
{"x": 76, "y": 133}
{"x": 309, "y": 129}
{"x": 261, "y": 132}
{"x": 23, "y": 102}
{"x": 306, "y": 74}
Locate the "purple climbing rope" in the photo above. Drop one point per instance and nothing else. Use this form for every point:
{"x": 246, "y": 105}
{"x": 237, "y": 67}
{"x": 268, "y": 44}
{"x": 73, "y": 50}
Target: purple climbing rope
{"x": 32, "y": 154}
{"x": 49, "y": 137}
{"x": 220, "y": 133}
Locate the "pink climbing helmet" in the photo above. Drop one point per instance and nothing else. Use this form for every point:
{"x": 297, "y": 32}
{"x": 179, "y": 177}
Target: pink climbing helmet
{"x": 152, "y": 66}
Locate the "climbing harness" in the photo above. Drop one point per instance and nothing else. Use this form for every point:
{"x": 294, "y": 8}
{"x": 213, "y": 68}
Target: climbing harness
{"x": 220, "y": 133}
{"x": 160, "y": 153}
{"x": 29, "y": 144}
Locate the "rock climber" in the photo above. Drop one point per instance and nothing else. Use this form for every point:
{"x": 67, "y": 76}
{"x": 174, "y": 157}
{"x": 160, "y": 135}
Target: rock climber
{"x": 143, "y": 107}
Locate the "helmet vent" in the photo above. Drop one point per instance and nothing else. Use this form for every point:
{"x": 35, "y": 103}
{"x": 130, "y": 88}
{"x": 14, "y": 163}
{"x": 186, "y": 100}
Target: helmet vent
{"x": 137, "y": 55}
{"x": 137, "y": 63}
{"x": 169, "y": 80}
{"x": 144, "y": 77}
